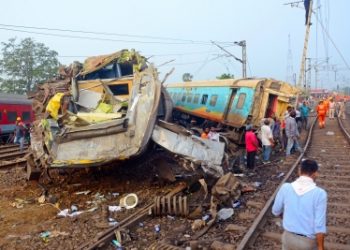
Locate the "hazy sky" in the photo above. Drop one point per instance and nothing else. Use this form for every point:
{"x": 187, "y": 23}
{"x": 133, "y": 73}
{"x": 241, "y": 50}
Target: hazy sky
{"x": 264, "y": 24}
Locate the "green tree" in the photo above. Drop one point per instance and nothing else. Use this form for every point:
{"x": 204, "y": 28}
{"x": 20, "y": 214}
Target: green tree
{"x": 25, "y": 63}
{"x": 187, "y": 77}
{"x": 225, "y": 76}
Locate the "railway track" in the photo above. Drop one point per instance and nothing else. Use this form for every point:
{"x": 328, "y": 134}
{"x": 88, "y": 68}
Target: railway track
{"x": 10, "y": 156}
{"x": 331, "y": 148}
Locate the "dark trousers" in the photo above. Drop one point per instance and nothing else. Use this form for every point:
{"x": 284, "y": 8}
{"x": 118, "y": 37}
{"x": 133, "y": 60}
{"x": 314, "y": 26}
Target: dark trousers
{"x": 251, "y": 159}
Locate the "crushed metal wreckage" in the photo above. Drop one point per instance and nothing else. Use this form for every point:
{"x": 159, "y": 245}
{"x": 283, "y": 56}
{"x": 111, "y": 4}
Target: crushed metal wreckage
{"x": 106, "y": 110}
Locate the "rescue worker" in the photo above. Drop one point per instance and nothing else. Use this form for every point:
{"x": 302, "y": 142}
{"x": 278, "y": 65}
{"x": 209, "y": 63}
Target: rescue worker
{"x": 341, "y": 113}
{"x": 321, "y": 114}
{"x": 20, "y": 132}
{"x": 326, "y": 104}
{"x": 331, "y": 109}
{"x": 205, "y": 134}
{"x": 251, "y": 145}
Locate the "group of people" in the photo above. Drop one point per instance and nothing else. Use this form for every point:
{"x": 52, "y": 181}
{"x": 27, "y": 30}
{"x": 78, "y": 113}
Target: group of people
{"x": 273, "y": 132}
{"x": 329, "y": 107}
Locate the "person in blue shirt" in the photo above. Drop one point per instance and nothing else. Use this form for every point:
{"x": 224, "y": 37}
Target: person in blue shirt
{"x": 304, "y": 112}
{"x": 303, "y": 207}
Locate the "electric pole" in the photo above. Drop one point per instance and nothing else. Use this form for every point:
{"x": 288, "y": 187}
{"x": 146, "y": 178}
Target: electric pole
{"x": 243, "y": 44}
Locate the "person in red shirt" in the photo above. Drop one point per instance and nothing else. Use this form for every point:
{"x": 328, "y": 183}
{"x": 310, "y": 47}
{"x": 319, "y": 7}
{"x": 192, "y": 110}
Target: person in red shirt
{"x": 321, "y": 114}
{"x": 251, "y": 145}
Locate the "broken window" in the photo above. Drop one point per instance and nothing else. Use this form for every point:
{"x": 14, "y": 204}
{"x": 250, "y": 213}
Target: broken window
{"x": 12, "y": 116}
{"x": 119, "y": 89}
{"x": 196, "y": 98}
{"x": 204, "y": 99}
{"x": 26, "y": 116}
{"x": 112, "y": 70}
{"x": 241, "y": 100}
{"x": 213, "y": 100}
{"x": 189, "y": 98}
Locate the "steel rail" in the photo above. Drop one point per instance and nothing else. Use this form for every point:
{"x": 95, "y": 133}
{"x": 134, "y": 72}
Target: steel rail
{"x": 252, "y": 233}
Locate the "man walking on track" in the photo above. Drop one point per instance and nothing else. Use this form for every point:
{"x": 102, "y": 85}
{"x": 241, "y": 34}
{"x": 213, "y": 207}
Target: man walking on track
{"x": 321, "y": 114}
{"x": 341, "y": 113}
{"x": 303, "y": 206}
{"x": 292, "y": 134}
{"x": 304, "y": 110}
{"x": 331, "y": 109}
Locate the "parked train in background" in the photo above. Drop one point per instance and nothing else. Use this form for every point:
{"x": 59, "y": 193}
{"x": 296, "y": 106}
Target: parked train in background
{"x": 11, "y": 107}
{"x": 232, "y": 103}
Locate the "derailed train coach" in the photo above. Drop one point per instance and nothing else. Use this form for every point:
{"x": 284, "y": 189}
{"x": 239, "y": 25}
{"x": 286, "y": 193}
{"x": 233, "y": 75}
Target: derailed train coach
{"x": 94, "y": 113}
{"x": 230, "y": 104}
{"x": 106, "y": 110}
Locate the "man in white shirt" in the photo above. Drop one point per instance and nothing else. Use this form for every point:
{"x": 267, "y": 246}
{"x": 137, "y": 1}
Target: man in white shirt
{"x": 267, "y": 140}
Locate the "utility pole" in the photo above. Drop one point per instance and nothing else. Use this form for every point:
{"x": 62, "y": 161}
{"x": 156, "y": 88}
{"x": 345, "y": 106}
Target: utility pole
{"x": 306, "y": 42}
{"x": 243, "y": 44}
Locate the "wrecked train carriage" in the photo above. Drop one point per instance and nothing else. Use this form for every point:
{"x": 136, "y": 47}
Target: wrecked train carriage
{"x": 232, "y": 103}
{"x": 106, "y": 112}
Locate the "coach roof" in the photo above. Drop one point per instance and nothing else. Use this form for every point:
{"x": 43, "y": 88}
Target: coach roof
{"x": 6, "y": 98}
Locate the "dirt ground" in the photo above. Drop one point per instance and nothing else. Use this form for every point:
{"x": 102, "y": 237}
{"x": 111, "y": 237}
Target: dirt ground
{"x": 23, "y": 217}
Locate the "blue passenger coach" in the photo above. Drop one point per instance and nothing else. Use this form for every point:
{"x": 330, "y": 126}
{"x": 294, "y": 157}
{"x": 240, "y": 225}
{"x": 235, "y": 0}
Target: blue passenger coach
{"x": 231, "y": 102}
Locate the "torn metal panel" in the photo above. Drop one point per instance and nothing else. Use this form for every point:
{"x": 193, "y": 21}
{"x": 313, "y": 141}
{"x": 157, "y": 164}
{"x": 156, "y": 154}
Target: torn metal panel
{"x": 192, "y": 147}
{"x": 89, "y": 99}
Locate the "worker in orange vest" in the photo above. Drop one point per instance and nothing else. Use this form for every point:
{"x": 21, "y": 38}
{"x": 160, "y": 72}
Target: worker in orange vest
{"x": 326, "y": 104}
{"x": 321, "y": 114}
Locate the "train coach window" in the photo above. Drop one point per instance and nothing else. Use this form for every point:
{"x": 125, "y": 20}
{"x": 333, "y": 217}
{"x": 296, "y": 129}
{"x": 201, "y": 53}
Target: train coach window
{"x": 183, "y": 99}
{"x": 189, "y": 98}
{"x": 11, "y": 116}
{"x": 204, "y": 99}
{"x": 0, "y": 116}
{"x": 26, "y": 116}
{"x": 241, "y": 100}
{"x": 196, "y": 98}
{"x": 213, "y": 100}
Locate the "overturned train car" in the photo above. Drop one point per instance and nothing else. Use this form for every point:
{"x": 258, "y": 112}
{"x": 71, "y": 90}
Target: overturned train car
{"x": 230, "y": 104}
{"x": 94, "y": 113}
{"x": 107, "y": 110}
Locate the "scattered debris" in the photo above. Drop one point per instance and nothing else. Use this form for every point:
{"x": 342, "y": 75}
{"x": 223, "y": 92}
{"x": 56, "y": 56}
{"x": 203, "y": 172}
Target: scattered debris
{"x": 227, "y": 189}
{"x": 66, "y": 213}
{"x": 225, "y": 213}
{"x": 236, "y": 204}
{"x": 330, "y": 133}
{"x": 197, "y": 225}
{"x": 257, "y": 184}
{"x": 83, "y": 192}
{"x": 280, "y": 175}
{"x": 114, "y": 208}
{"x": 112, "y": 222}
{"x": 129, "y": 201}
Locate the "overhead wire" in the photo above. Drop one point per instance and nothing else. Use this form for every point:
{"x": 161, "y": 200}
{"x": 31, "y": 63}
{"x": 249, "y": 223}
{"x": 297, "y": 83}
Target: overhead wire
{"x": 13, "y": 27}
{"x": 333, "y": 43}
